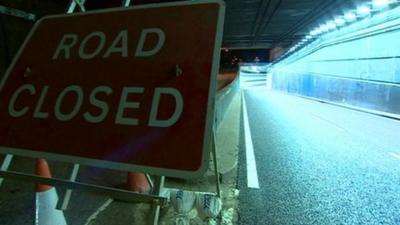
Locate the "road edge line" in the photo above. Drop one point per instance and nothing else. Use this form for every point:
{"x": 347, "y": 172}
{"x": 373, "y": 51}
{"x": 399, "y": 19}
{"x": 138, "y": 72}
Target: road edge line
{"x": 252, "y": 176}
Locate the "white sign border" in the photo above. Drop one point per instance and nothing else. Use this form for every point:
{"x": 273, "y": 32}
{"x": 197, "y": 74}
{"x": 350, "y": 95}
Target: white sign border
{"x": 208, "y": 135}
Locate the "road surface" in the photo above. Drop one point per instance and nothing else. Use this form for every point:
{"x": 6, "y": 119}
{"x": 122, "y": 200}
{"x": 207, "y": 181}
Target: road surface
{"x": 317, "y": 163}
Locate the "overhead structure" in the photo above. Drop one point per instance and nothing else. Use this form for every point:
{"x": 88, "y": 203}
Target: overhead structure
{"x": 248, "y": 23}
{"x": 362, "y": 12}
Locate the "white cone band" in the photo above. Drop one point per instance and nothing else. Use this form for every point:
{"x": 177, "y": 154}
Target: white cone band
{"x": 46, "y": 212}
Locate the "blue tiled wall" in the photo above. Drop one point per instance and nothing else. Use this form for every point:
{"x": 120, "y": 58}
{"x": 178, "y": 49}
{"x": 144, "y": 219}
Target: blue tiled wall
{"x": 358, "y": 65}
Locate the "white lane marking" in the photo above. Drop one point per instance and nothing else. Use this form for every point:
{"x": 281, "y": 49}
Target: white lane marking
{"x": 397, "y": 156}
{"x": 68, "y": 193}
{"x": 252, "y": 177}
{"x": 4, "y": 166}
{"x": 93, "y": 217}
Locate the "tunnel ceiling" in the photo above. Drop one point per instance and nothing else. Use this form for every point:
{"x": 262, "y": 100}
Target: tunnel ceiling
{"x": 274, "y": 23}
{"x": 248, "y": 23}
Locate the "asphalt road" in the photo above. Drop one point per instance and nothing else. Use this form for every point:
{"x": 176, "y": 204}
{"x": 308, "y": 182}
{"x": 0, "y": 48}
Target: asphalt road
{"x": 17, "y": 198}
{"x": 318, "y": 163}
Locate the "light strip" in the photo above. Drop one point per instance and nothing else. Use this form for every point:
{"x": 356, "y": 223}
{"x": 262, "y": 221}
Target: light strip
{"x": 348, "y": 17}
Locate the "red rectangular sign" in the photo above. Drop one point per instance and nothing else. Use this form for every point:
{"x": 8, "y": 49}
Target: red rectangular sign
{"x": 129, "y": 89}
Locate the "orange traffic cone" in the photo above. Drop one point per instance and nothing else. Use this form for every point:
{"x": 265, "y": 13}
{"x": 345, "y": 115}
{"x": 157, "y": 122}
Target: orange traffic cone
{"x": 46, "y": 199}
{"x": 137, "y": 182}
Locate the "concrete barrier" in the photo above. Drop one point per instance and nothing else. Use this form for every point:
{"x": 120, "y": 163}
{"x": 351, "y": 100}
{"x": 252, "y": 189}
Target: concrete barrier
{"x": 223, "y": 99}
{"x": 376, "y": 96}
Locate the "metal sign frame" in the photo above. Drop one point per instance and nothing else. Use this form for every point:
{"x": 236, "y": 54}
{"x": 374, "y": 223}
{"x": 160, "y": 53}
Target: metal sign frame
{"x": 207, "y": 141}
{"x": 155, "y": 197}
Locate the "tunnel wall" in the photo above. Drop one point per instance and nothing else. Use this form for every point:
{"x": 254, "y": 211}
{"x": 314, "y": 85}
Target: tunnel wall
{"x": 358, "y": 65}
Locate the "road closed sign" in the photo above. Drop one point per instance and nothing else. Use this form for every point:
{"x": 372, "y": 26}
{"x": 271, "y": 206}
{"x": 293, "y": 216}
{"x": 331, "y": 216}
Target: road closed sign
{"x": 129, "y": 89}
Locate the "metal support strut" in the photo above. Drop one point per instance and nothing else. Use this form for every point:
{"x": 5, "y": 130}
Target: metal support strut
{"x": 215, "y": 161}
{"x": 157, "y": 190}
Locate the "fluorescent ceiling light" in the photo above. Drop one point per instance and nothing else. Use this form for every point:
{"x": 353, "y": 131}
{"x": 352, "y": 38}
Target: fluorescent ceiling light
{"x": 331, "y": 25}
{"x": 380, "y": 3}
{"x": 363, "y": 10}
{"x": 319, "y": 30}
{"x": 340, "y": 21}
{"x": 324, "y": 28}
{"x": 316, "y": 31}
{"x": 350, "y": 16}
